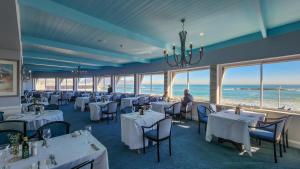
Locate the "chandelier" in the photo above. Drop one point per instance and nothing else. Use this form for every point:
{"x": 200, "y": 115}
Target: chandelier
{"x": 78, "y": 71}
{"x": 185, "y": 58}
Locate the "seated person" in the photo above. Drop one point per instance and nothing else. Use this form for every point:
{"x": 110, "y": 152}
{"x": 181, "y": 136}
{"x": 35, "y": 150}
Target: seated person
{"x": 186, "y": 99}
{"x": 109, "y": 89}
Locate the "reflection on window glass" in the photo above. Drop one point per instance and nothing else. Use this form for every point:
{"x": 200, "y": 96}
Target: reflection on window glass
{"x": 45, "y": 84}
{"x": 103, "y": 83}
{"x": 66, "y": 84}
{"x": 241, "y": 85}
{"x": 85, "y": 84}
{"x": 179, "y": 84}
{"x": 282, "y": 85}
{"x": 199, "y": 84}
{"x": 125, "y": 84}
{"x": 152, "y": 84}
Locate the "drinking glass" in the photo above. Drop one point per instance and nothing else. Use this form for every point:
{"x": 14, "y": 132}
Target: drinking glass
{"x": 88, "y": 131}
{"x": 46, "y": 135}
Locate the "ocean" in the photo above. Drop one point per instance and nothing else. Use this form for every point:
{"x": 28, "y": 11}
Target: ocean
{"x": 288, "y": 96}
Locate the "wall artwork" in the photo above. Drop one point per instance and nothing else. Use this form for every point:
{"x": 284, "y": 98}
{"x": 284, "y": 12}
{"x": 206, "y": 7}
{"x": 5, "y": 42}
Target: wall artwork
{"x": 8, "y": 78}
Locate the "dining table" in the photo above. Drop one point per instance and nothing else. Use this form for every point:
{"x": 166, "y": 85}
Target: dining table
{"x": 96, "y": 109}
{"x": 227, "y": 125}
{"x": 25, "y": 105}
{"x": 160, "y": 106}
{"x": 131, "y": 127}
{"x": 80, "y": 102}
{"x": 63, "y": 152}
{"x": 34, "y": 120}
{"x": 127, "y": 102}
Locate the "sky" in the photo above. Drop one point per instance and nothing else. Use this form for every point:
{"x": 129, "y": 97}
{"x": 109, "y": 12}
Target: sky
{"x": 275, "y": 73}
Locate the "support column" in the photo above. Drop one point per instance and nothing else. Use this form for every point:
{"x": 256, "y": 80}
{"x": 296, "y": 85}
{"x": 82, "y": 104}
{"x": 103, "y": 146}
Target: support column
{"x": 95, "y": 82}
{"x": 216, "y": 77}
{"x": 75, "y": 83}
{"x": 136, "y": 84}
{"x": 113, "y": 83}
{"x": 168, "y": 83}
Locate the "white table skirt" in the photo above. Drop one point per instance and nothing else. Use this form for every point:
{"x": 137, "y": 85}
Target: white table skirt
{"x": 230, "y": 126}
{"x": 131, "y": 131}
{"x": 80, "y": 102}
{"x": 95, "y": 110}
{"x": 54, "y": 99}
{"x": 36, "y": 121}
{"x": 127, "y": 102}
{"x": 160, "y": 106}
{"x": 25, "y": 105}
{"x": 75, "y": 152}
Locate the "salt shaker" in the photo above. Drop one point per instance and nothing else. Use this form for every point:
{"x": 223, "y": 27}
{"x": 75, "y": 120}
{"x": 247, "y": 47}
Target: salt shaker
{"x": 34, "y": 150}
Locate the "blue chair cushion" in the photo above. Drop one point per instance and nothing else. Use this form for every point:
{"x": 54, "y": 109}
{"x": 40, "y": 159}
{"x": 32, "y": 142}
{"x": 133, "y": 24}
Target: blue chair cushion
{"x": 31, "y": 133}
{"x": 204, "y": 119}
{"x": 152, "y": 134}
{"x": 262, "y": 134}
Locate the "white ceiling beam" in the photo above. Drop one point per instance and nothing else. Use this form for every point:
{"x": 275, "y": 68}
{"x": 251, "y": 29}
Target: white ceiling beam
{"x": 260, "y": 18}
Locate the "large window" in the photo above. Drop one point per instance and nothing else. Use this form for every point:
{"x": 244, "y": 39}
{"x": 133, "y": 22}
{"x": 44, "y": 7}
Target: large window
{"x": 125, "y": 84}
{"x": 197, "y": 81}
{"x": 241, "y": 86}
{"x": 103, "y": 83}
{"x": 45, "y": 84}
{"x": 282, "y": 85}
{"x": 274, "y": 85}
{"x": 66, "y": 84}
{"x": 152, "y": 84}
{"x": 85, "y": 84}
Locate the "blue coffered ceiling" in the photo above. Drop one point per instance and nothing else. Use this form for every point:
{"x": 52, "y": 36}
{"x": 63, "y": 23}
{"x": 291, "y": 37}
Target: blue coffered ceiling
{"x": 63, "y": 34}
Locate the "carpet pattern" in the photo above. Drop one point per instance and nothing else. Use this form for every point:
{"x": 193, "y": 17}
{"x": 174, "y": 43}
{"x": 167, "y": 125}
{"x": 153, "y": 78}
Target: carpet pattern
{"x": 189, "y": 149}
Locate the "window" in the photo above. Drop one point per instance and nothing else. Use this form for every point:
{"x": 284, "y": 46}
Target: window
{"x": 125, "y": 84}
{"x": 281, "y": 84}
{"x": 197, "y": 81}
{"x": 241, "y": 85}
{"x": 152, "y": 84}
{"x": 85, "y": 84}
{"x": 103, "y": 83}
{"x": 66, "y": 84}
{"x": 45, "y": 84}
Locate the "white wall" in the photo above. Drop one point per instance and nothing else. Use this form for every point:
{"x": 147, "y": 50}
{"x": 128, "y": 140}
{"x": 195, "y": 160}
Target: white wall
{"x": 10, "y": 49}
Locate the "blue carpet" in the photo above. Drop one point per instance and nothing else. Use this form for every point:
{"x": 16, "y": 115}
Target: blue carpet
{"x": 189, "y": 149}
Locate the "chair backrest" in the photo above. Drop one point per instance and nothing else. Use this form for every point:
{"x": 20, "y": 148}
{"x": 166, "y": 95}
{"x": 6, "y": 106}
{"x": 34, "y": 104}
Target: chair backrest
{"x": 201, "y": 111}
{"x": 57, "y": 128}
{"x": 141, "y": 100}
{"x": 84, "y": 164}
{"x": 6, "y": 134}
{"x": 213, "y": 107}
{"x": 287, "y": 122}
{"x": 164, "y": 127}
{"x": 1, "y": 115}
{"x": 112, "y": 107}
{"x": 189, "y": 106}
{"x": 279, "y": 125}
{"x": 176, "y": 108}
{"x": 153, "y": 99}
{"x": 18, "y": 125}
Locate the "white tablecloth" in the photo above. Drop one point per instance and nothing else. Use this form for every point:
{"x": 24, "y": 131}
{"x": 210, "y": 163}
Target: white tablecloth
{"x": 127, "y": 102}
{"x": 54, "y": 99}
{"x": 25, "y": 105}
{"x": 80, "y": 102}
{"x": 36, "y": 121}
{"x": 160, "y": 106}
{"x": 69, "y": 151}
{"x": 131, "y": 131}
{"x": 95, "y": 109}
{"x": 230, "y": 126}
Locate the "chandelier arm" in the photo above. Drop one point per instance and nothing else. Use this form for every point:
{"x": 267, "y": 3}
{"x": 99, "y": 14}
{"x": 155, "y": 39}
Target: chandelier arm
{"x": 201, "y": 54}
{"x": 168, "y": 62}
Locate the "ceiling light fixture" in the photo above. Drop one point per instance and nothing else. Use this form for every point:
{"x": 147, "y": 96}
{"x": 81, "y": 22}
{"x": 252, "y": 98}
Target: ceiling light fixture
{"x": 184, "y": 59}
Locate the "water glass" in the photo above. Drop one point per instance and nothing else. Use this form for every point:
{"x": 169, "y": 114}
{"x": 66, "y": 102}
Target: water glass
{"x": 46, "y": 135}
{"x": 88, "y": 128}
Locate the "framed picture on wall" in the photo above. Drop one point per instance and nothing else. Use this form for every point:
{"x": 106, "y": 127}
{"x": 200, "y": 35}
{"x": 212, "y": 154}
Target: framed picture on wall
{"x": 8, "y": 78}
